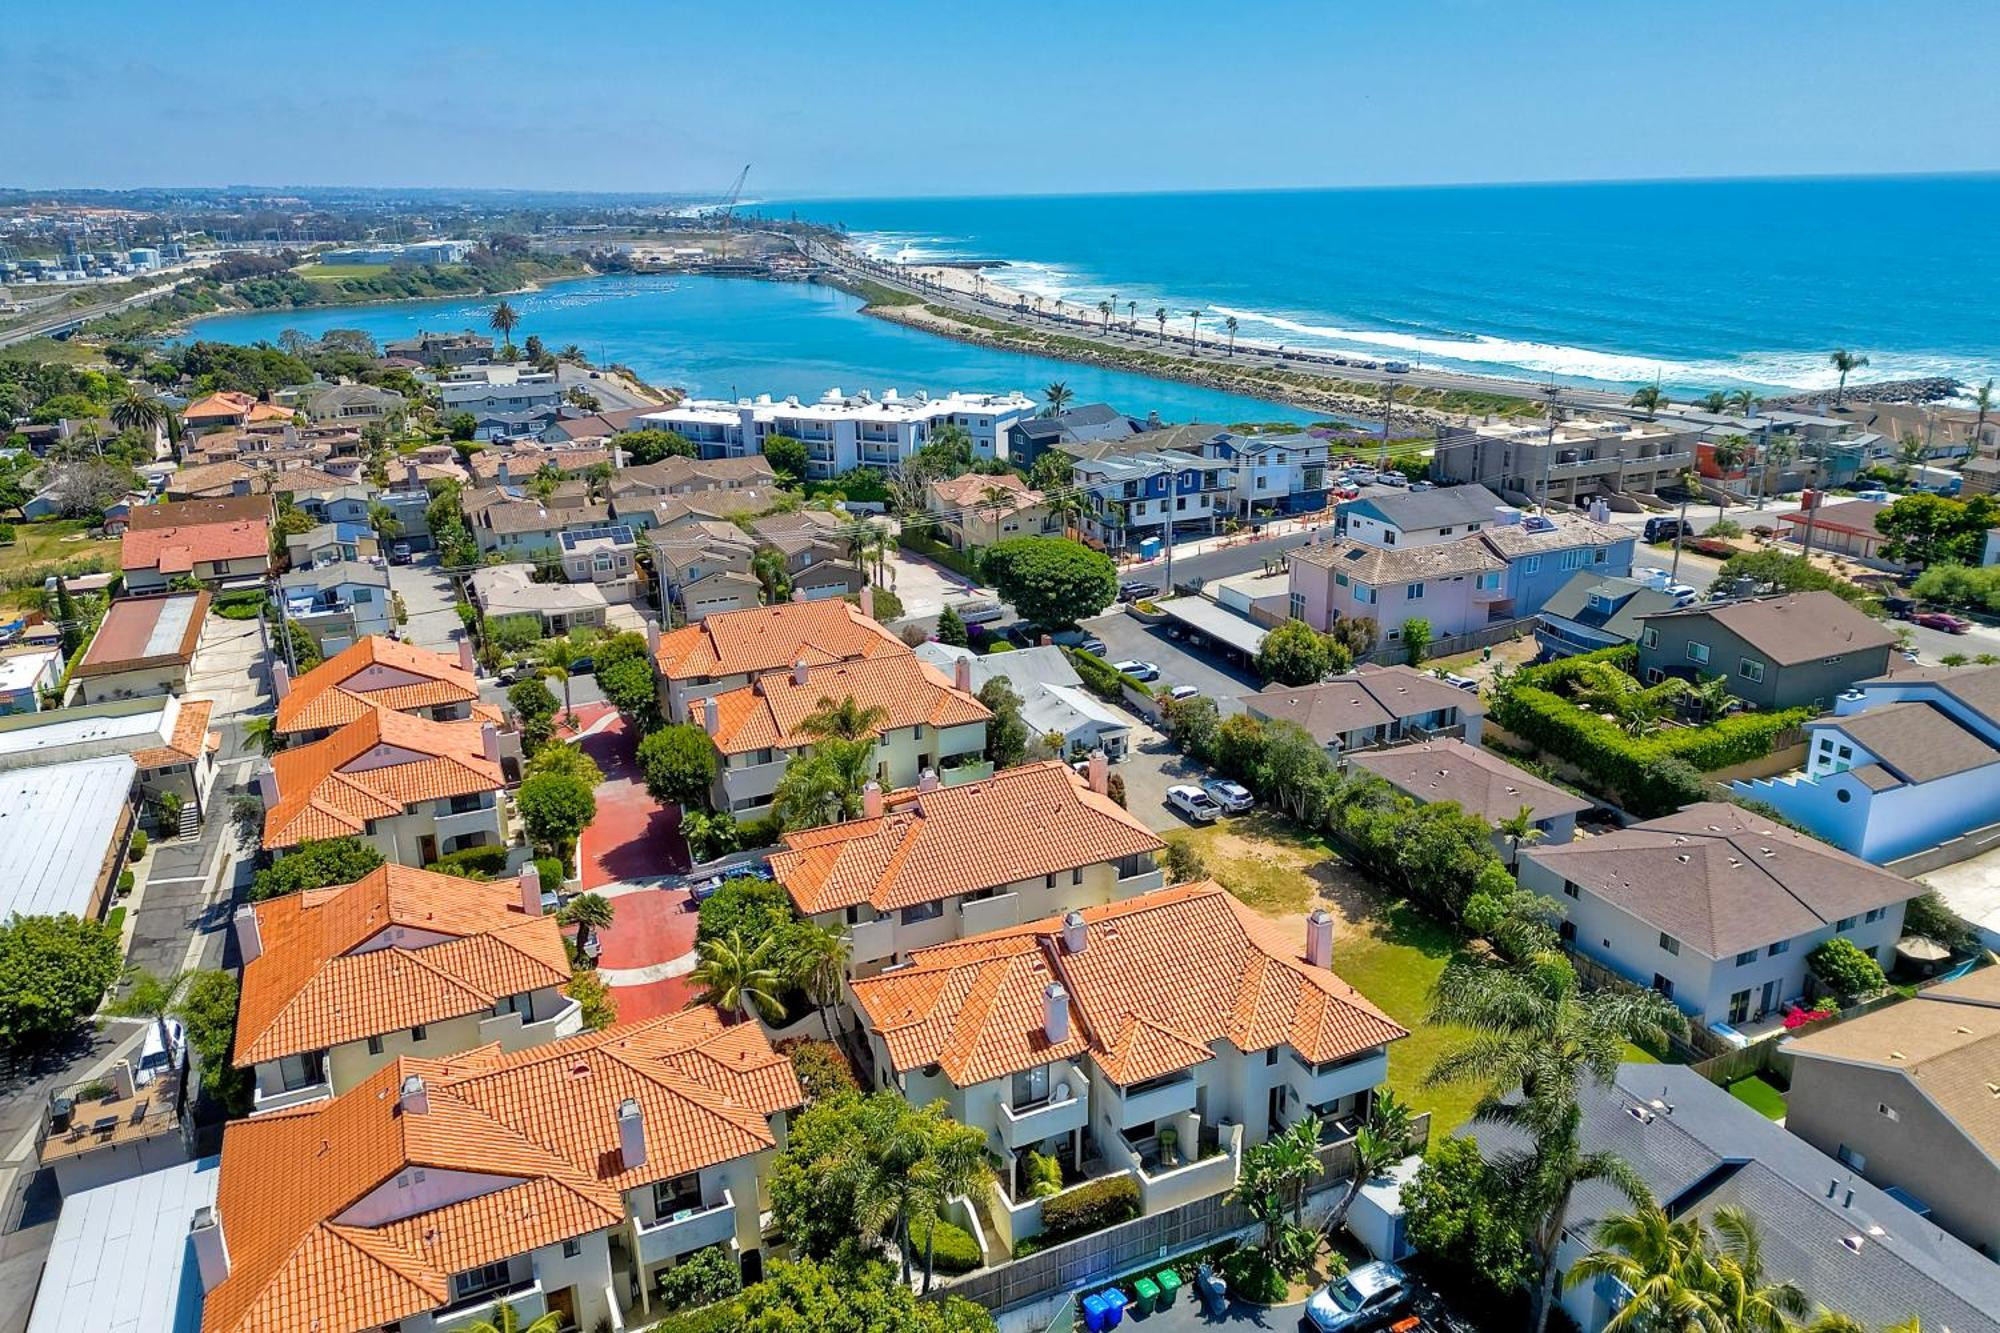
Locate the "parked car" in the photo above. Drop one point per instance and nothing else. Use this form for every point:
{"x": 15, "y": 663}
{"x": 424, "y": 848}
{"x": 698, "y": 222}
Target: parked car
{"x": 1193, "y": 802}
{"x": 513, "y": 673}
{"x": 702, "y": 890}
{"x": 1362, "y": 476}
{"x": 1136, "y": 590}
{"x": 163, "y": 1051}
{"x": 1943, "y": 620}
{"x": 1423, "y": 486}
{"x": 1666, "y": 529}
{"x": 399, "y": 554}
{"x": 1343, "y": 491}
{"x": 981, "y": 612}
{"x": 1459, "y": 682}
{"x": 1077, "y": 638}
{"x": 1180, "y": 692}
{"x": 1231, "y": 796}
{"x": 1365, "y": 1297}
{"x": 1395, "y": 480}
{"x": 1136, "y": 669}
{"x": 583, "y": 666}
{"x": 1682, "y": 593}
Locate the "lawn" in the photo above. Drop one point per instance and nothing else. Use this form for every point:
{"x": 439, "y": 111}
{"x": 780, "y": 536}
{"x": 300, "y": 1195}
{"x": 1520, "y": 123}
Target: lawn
{"x": 335, "y": 272}
{"x": 1760, "y": 1096}
{"x": 52, "y": 542}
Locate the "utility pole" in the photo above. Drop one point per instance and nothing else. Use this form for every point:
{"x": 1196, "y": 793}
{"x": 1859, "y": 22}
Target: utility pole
{"x": 1551, "y": 393}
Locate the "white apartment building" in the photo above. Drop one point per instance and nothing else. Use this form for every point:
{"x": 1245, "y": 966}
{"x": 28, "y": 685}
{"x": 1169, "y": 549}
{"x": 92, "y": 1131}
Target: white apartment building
{"x": 844, "y": 431}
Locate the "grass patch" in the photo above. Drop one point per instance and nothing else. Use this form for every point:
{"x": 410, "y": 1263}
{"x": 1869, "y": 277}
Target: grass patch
{"x": 1261, "y": 859}
{"x": 336, "y": 272}
{"x": 1759, "y": 1096}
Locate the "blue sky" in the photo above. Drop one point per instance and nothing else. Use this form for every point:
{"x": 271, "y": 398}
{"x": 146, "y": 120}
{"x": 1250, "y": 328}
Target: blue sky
{"x": 862, "y": 98}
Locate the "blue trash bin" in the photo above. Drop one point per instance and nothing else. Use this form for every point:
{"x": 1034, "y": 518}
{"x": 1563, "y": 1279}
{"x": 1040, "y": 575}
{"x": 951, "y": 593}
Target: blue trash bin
{"x": 1093, "y": 1313}
{"x": 1114, "y": 1307}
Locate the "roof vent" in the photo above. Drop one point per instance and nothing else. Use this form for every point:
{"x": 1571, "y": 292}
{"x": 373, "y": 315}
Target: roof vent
{"x": 1853, "y": 1243}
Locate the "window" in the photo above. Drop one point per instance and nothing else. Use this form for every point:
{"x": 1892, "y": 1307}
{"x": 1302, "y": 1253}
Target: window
{"x": 477, "y": 1281}
{"x": 1850, "y": 1159}
{"x": 1597, "y": 555}
{"x": 1845, "y": 923}
{"x": 682, "y": 1193}
{"x": 1750, "y": 668}
{"x": 1739, "y": 1006}
{"x": 1651, "y": 638}
{"x": 1271, "y": 1056}
{"x": 1698, "y": 652}
{"x": 1875, "y": 914}
{"x": 1847, "y": 752}
{"x": 1298, "y": 607}
{"x": 1670, "y": 944}
{"x": 1664, "y": 985}
{"x": 1747, "y": 957}
{"x": 910, "y": 916}
{"x": 1782, "y": 946}
{"x": 419, "y": 1032}
{"x": 1444, "y": 532}
{"x": 1886, "y": 1110}
{"x": 1388, "y": 536}
{"x": 1532, "y": 565}
{"x": 1570, "y": 890}
{"x": 1048, "y": 881}
{"x": 572, "y": 1247}
{"x": 1826, "y": 745}
{"x": 302, "y": 1070}
{"x": 374, "y": 1046}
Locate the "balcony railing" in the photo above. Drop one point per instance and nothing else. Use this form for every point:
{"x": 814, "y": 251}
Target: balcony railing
{"x": 1167, "y": 1097}
{"x": 278, "y": 1101}
{"x": 1021, "y": 1126}
{"x": 514, "y": 1035}
{"x": 872, "y": 940}
{"x": 686, "y": 1231}
{"x": 469, "y": 821}
{"x": 526, "y": 1299}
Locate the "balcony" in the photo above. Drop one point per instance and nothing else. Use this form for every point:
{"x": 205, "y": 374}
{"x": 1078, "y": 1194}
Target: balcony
{"x": 278, "y": 1101}
{"x": 527, "y": 1300}
{"x": 1482, "y": 595}
{"x": 1155, "y": 1101}
{"x": 974, "y": 769}
{"x": 1204, "y": 1162}
{"x": 753, "y": 780}
{"x": 469, "y": 823}
{"x": 515, "y": 1035}
{"x": 996, "y": 913}
{"x": 1332, "y": 1082}
{"x": 1024, "y": 1126}
{"x": 686, "y": 1231}
{"x": 870, "y": 941}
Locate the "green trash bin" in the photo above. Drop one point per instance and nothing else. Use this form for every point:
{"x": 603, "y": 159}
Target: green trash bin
{"x": 1170, "y": 1286}
{"x": 1148, "y": 1296}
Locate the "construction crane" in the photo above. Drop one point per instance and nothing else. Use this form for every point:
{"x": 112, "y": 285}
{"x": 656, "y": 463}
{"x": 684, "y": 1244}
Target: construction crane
{"x": 729, "y": 206}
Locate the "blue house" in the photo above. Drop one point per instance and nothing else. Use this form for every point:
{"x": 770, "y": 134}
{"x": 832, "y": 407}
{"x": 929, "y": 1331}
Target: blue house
{"x": 1545, "y": 551}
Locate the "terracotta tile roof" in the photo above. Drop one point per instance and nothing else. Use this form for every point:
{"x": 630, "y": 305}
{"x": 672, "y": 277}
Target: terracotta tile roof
{"x": 910, "y": 693}
{"x": 525, "y": 463}
{"x": 766, "y": 638}
{"x": 179, "y": 550}
{"x": 227, "y": 405}
{"x": 1023, "y": 823}
{"x": 394, "y": 949}
{"x": 214, "y": 480}
{"x": 325, "y": 791}
{"x": 1160, "y": 978}
{"x": 537, "y": 1127}
{"x": 969, "y": 492}
{"x": 190, "y": 513}
{"x": 373, "y": 671}
{"x": 191, "y": 738}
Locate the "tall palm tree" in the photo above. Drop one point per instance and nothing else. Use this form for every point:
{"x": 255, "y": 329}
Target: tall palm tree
{"x": 1105, "y": 308}
{"x": 558, "y": 655}
{"x": 138, "y": 411}
{"x": 1845, "y": 362}
{"x": 1984, "y": 400}
{"x": 768, "y": 565}
{"x": 1379, "y": 1144}
{"x": 1194, "y": 333}
{"x": 1059, "y": 396}
{"x": 1776, "y": 454}
{"x": 1729, "y": 453}
{"x": 1715, "y": 400}
{"x": 589, "y": 913}
{"x": 1230, "y": 324}
{"x": 1744, "y": 401}
{"x": 504, "y": 1320}
{"x": 818, "y": 965}
{"x": 843, "y": 720}
{"x": 1649, "y": 399}
{"x": 1519, "y": 830}
{"x": 1161, "y": 315}
{"x": 152, "y": 997}
{"x": 1751, "y": 1302}
{"x": 261, "y": 734}
{"x": 740, "y": 979}
{"x": 1066, "y": 507}
{"x": 1664, "y": 1264}
{"x": 1132, "y": 312}
{"x": 504, "y": 320}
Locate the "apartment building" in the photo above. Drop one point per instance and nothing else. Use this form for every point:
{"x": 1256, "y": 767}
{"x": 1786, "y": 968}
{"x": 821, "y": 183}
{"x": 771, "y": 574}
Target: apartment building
{"x": 842, "y": 432}
{"x": 1275, "y": 474}
{"x": 932, "y": 729}
{"x": 559, "y": 1179}
{"x": 506, "y": 400}
{"x": 921, "y": 867}
{"x": 340, "y": 981}
{"x": 412, "y": 788}
{"x": 1572, "y": 463}
{"x": 376, "y": 673}
{"x": 1168, "y": 1031}
{"x": 1134, "y": 498}
{"x": 725, "y": 650}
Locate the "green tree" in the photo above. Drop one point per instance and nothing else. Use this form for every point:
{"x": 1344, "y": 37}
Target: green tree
{"x": 1295, "y": 653}
{"x": 315, "y": 865}
{"x": 503, "y": 321}
{"x": 853, "y": 1297}
{"x": 535, "y": 709}
{"x": 1519, "y": 829}
{"x": 1051, "y": 581}
{"x": 954, "y": 1166}
{"x": 504, "y": 1319}
{"x": 1662, "y": 1262}
{"x": 589, "y": 913}
{"x": 138, "y": 411}
{"x": 825, "y": 785}
{"x": 70, "y": 624}
{"x": 1007, "y": 733}
{"x": 1058, "y": 396}
{"x": 951, "y": 628}
{"x": 555, "y": 808}
{"x": 53, "y": 972}
{"x": 1649, "y": 400}
{"x": 1459, "y": 1213}
{"x": 567, "y": 759}
{"x": 1416, "y": 639}
{"x": 1193, "y": 724}
{"x": 768, "y": 565}
{"x": 1846, "y": 363}
{"x": 629, "y": 685}
{"x": 557, "y": 656}
{"x": 461, "y": 426}
{"x": 739, "y": 978}
{"x": 651, "y": 446}
{"x": 207, "y": 1008}
{"x": 787, "y": 458}
{"x": 1050, "y": 471}
{"x": 678, "y": 763}
{"x": 152, "y": 997}
{"x": 1934, "y": 530}
{"x": 816, "y": 962}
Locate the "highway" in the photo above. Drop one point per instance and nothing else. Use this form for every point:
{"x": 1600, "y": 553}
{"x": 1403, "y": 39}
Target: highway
{"x": 63, "y": 319}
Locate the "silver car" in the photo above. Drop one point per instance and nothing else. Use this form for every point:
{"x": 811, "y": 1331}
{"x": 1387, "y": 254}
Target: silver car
{"x": 1231, "y": 796}
{"x": 1364, "y": 1298}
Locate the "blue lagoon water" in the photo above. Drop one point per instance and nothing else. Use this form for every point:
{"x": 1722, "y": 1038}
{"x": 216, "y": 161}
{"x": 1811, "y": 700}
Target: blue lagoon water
{"x": 1708, "y": 284}
{"x": 724, "y": 337}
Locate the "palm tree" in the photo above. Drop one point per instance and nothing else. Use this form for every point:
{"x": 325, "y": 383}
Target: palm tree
{"x": 1776, "y": 454}
{"x": 138, "y": 411}
{"x": 1909, "y": 453}
{"x": 864, "y": 541}
{"x": 261, "y": 734}
{"x": 1194, "y": 333}
{"x": 1131, "y": 312}
{"x": 1744, "y": 401}
{"x": 1230, "y": 324}
{"x": 504, "y": 1320}
{"x": 589, "y": 913}
{"x": 1984, "y": 400}
{"x": 1730, "y": 452}
{"x": 503, "y": 321}
{"x": 1662, "y": 1262}
{"x": 1161, "y": 315}
{"x": 1379, "y": 1145}
{"x": 739, "y": 979}
{"x": 818, "y": 965}
{"x": 1649, "y": 399}
{"x": 152, "y": 997}
{"x": 1059, "y": 396}
{"x": 558, "y": 655}
{"x": 1066, "y": 507}
{"x": 1844, "y": 361}
{"x": 769, "y": 567}
{"x": 1519, "y": 829}
{"x": 1105, "y": 308}
{"x": 384, "y": 520}
{"x": 953, "y": 1168}
{"x": 1750, "y": 1301}
{"x": 845, "y": 720}
{"x": 1715, "y": 400}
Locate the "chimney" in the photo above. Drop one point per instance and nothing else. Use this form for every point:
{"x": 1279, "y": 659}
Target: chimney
{"x": 927, "y": 780}
{"x": 868, "y": 601}
{"x": 465, "y": 662}
{"x": 1319, "y": 938}
{"x": 531, "y": 889}
{"x": 617, "y": 457}
{"x": 631, "y": 1135}
{"x": 281, "y": 680}
{"x": 410, "y": 476}
{"x": 267, "y": 785}
{"x": 961, "y": 674}
{"x": 871, "y": 800}
{"x": 1055, "y": 1012}
{"x": 1075, "y": 933}
{"x": 211, "y": 1251}
{"x": 121, "y": 1078}
{"x": 249, "y": 937}
{"x": 1100, "y": 772}
{"x": 414, "y": 1098}
{"x": 799, "y": 670}
{"x": 504, "y": 476}
{"x": 489, "y": 742}
{"x": 711, "y": 715}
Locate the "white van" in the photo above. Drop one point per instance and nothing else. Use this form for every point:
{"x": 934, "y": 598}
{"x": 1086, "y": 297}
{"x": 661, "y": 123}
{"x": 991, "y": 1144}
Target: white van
{"x": 163, "y": 1052}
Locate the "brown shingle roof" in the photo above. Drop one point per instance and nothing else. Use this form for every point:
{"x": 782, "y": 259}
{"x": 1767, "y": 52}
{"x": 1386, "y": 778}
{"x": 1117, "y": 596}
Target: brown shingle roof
{"x": 1798, "y": 627}
{"x": 1916, "y": 740}
{"x": 1369, "y": 697}
{"x": 189, "y": 513}
{"x": 1479, "y": 781}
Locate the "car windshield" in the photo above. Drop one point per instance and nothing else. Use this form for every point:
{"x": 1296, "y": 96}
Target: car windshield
{"x": 1344, "y": 1295}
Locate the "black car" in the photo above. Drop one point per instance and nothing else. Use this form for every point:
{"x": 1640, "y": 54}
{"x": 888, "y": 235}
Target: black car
{"x": 1666, "y": 529}
{"x": 1134, "y": 591}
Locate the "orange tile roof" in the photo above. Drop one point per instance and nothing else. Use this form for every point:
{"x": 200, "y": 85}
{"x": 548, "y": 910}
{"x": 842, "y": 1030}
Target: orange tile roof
{"x": 373, "y": 670}
{"x": 970, "y": 492}
{"x": 1160, "y": 978}
{"x": 179, "y": 549}
{"x": 766, "y": 638}
{"x": 457, "y": 946}
{"x": 911, "y": 693}
{"x": 1019, "y": 824}
{"x": 539, "y": 1126}
{"x": 191, "y": 738}
{"x": 324, "y": 792}
{"x": 224, "y": 406}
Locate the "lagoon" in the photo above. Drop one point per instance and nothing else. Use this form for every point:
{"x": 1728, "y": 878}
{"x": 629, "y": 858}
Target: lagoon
{"x": 735, "y": 337}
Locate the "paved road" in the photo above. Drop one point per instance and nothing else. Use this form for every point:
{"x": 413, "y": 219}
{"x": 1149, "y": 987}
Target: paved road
{"x": 431, "y": 597}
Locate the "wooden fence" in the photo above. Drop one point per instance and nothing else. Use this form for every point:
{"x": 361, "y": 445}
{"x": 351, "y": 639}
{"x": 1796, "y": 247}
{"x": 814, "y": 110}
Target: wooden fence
{"x": 1450, "y": 646}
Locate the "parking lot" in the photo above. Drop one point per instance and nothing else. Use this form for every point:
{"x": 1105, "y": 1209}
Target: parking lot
{"x": 228, "y": 667}
{"x": 1127, "y": 638}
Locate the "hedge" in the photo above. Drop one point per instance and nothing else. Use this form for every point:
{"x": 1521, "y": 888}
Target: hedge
{"x": 955, "y": 1250}
{"x": 476, "y": 863}
{"x": 1089, "y": 1207}
{"x": 1100, "y": 679}
{"x": 968, "y": 563}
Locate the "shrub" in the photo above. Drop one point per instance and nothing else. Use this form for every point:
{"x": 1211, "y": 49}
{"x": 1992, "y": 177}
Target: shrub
{"x": 951, "y": 1247}
{"x": 1843, "y": 968}
{"x": 600, "y": 1007}
{"x": 1253, "y": 1277}
{"x": 1090, "y": 1207}
{"x": 702, "y": 1278}
{"x": 759, "y": 832}
{"x": 478, "y": 863}
{"x": 1044, "y": 1175}
{"x": 1101, "y": 680}
{"x": 750, "y": 907}
{"x": 551, "y": 871}
{"x": 822, "y": 1068}
{"x": 1927, "y": 915}
{"x": 138, "y": 847}
{"x": 127, "y": 881}
{"x": 314, "y": 865}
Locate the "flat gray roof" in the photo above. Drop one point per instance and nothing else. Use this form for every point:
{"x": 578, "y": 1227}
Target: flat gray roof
{"x": 121, "y": 1262}
{"x": 28, "y": 739}
{"x": 1219, "y": 623}
{"x": 55, "y": 824}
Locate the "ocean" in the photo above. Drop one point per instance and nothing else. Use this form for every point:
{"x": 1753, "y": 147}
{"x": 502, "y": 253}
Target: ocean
{"x": 736, "y": 337}
{"x": 1702, "y": 284}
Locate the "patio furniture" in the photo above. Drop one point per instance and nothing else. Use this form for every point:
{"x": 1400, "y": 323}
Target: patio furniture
{"x": 1145, "y": 1295}
{"x": 1169, "y": 1281}
{"x": 1114, "y": 1306}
